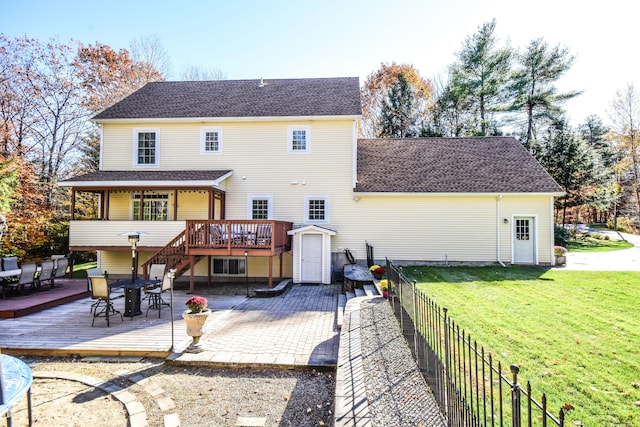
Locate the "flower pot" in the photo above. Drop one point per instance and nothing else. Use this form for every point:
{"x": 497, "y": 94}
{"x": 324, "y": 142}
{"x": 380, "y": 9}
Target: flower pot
{"x": 561, "y": 260}
{"x": 195, "y": 328}
{"x": 385, "y": 294}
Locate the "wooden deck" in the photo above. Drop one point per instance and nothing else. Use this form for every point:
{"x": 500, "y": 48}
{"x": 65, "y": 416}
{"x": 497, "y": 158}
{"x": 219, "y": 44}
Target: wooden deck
{"x": 65, "y": 290}
{"x": 66, "y": 330}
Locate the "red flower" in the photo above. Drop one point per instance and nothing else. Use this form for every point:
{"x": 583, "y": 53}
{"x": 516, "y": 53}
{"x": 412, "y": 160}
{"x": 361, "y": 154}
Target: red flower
{"x": 197, "y": 304}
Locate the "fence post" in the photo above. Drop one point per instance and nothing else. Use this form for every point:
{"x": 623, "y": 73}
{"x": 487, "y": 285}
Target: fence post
{"x": 415, "y": 323}
{"x": 449, "y": 408}
{"x": 515, "y": 397}
{"x": 400, "y": 300}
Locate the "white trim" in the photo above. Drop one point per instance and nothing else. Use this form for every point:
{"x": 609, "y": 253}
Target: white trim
{"x": 203, "y": 142}
{"x": 142, "y": 183}
{"x": 327, "y": 208}
{"x": 293, "y": 128}
{"x": 252, "y": 197}
{"x": 354, "y": 154}
{"x": 101, "y": 133}
{"x": 134, "y": 160}
{"x": 407, "y": 194}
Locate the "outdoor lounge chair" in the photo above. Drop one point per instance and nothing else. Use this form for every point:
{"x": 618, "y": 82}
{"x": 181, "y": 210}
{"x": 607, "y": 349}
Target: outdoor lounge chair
{"x": 100, "y": 291}
{"x": 155, "y": 295}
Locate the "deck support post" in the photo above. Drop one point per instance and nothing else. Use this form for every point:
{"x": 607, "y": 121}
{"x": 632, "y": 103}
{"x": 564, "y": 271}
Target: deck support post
{"x": 192, "y": 267}
{"x": 270, "y": 272}
{"x": 281, "y": 268}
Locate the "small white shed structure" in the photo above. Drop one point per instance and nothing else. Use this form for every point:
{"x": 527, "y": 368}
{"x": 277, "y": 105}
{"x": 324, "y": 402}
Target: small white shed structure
{"x": 311, "y": 246}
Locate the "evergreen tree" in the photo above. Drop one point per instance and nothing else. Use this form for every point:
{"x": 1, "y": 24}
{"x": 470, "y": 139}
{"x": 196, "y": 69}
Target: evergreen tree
{"x": 481, "y": 75}
{"x": 398, "y": 116}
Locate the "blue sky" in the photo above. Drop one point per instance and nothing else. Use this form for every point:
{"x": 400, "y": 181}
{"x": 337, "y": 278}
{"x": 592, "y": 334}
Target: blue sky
{"x": 285, "y": 39}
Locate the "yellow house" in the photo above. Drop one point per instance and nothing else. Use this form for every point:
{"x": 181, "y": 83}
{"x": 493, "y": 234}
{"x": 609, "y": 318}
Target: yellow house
{"x": 257, "y": 178}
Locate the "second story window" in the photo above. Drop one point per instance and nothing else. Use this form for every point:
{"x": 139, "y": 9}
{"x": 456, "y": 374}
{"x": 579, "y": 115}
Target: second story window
{"x": 146, "y": 147}
{"x": 211, "y": 140}
{"x": 259, "y": 207}
{"x": 299, "y": 139}
{"x": 317, "y": 209}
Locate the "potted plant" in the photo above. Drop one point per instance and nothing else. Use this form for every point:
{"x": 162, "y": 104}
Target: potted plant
{"x": 377, "y": 271}
{"x": 384, "y": 286}
{"x": 195, "y": 317}
{"x": 560, "y": 255}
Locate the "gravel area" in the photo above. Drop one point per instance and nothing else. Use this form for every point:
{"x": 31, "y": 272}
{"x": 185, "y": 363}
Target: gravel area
{"x": 200, "y": 396}
{"x": 396, "y": 391}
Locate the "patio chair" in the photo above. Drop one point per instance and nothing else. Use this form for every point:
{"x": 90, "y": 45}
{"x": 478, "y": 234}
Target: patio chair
{"x": 27, "y": 277}
{"x": 10, "y": 263}
{"x": 46, "y": 273}
{"x": 100, "y": 291}
{"x": 60, "y": 269}
{"x": 155, "y": 295}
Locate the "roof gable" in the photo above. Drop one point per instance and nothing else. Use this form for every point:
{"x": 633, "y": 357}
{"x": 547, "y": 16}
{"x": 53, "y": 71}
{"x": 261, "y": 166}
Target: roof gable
{"x": 450, "y": 165}
{"x": 240, "y": 98}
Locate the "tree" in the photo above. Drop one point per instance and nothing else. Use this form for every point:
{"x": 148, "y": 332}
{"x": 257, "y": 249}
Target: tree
{"x": 152, "y": 57}
{"x": 533, "y": 85}
{"x": 376, "y": 90}
{"x": 479, "y": 78}
{"x": 108, "y": 76}
{"x": 625, "y": 140}
{"x": 195, "y": 73}
{"x": 399, "y": 113}
{"x": 571, "y": 162}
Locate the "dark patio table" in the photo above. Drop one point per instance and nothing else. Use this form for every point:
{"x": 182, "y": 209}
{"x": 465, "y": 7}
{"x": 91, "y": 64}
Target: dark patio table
{"x": 132, "y": 295}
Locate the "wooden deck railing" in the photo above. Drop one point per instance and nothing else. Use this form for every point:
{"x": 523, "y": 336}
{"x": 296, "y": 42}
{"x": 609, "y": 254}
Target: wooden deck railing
{"x": 234, "y": 235}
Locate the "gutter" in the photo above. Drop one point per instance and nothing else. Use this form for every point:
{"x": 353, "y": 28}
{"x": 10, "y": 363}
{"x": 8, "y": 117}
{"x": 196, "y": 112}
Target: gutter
{"x": 498, "y": 230}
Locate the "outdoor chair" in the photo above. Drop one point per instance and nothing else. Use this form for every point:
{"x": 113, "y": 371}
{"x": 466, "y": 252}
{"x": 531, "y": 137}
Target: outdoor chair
{"x": 46, "y": 273}
{"x": 263, "y": 235}
{"x": 60, "y": 269}
{"x": 155, "y": 295}
{"x": 10, "y": 263}
{"x": 104, "y": 306}
{"x": 27, "y": 277}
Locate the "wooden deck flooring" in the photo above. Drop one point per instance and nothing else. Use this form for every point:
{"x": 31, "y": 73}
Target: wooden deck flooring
{"x": 66, "y": 330}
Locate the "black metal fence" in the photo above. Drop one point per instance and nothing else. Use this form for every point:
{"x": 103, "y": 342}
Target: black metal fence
{"x": 469, "y": 386}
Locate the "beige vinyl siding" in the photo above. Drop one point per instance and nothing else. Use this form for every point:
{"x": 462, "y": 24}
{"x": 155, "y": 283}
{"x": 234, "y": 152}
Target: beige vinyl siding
{"x": 193, "y": 205}
{"x": 438, "y": 228}
{"x": 120, "y": 206}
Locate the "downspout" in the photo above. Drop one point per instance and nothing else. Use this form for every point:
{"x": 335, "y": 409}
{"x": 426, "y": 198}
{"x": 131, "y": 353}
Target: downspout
{"x": 498, "y": 230}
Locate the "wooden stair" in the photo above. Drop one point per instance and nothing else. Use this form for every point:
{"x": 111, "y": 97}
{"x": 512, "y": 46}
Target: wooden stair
{"x": 365, "y": 291}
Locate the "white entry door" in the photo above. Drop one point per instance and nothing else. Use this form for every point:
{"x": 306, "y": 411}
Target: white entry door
{"x": 311, "y": 267}
{"x": 524, "y": 240}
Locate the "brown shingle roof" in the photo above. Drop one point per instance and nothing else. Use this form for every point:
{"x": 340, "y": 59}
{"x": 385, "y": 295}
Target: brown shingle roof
{"x": 450, "y": 165}
{"x": 240, "y": 98}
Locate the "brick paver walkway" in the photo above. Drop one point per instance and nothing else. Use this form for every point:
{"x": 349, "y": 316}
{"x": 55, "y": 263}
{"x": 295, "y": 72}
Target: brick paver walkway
{"x": 295, "y": 329}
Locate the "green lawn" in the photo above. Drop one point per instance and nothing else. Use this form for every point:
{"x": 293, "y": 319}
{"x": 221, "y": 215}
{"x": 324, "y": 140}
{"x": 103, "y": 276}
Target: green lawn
{"x": 575, "y": 334}
{"x": 590, "y": 244}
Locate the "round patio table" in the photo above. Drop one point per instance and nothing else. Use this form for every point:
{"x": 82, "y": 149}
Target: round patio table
{"x": 15, "y": 382}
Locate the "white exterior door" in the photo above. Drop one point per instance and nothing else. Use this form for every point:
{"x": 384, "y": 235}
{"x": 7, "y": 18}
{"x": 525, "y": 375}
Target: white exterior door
{"x": 524, "y": 240}
{"x": 311, "y": 266}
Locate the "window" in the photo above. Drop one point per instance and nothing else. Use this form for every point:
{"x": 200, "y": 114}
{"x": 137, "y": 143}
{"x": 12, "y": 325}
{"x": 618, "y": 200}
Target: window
{"x": 259, "y": 207}
{"x": 317, "y": 209}
{"x": 299, "y": 139}
{"x": 522, "y": 229}
{"x": 156, "y": 207}
{"x": 211, "y": 140}
{"x": 146, "y": 147}
{"x": 229, "y": 266}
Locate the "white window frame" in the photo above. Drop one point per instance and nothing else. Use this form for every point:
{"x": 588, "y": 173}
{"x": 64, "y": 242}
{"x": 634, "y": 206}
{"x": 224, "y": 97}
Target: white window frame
{"x": 149, "y": 196}
{"x": 225, "y": 260}
{"x": 203, "y": 140}
{"x": 156, "y": 162}
{"x": 327, "y": 207}
{"x": 290, "y": 131}
{"x": 252, "y": 197}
